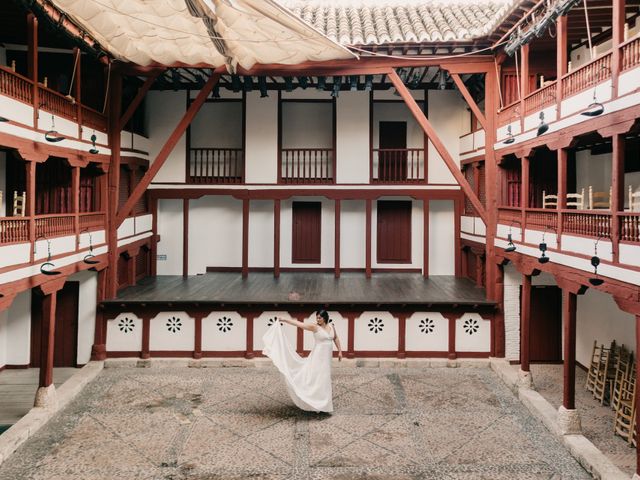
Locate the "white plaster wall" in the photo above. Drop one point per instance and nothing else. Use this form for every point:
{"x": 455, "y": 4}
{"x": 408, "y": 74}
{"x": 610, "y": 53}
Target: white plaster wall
{"x": 15, "y": 254}
{"x": 585, "y": 245}
{"x": 143, "y": 223}
{"x": 629, "y": 254}
{"x": 172, "y": 331}
{"x": 164, "y": 111}
{"x": 262, "y": 323}
{"x": 215, "y": 233}
{"x": 352, "y": 233}
{"x": 218, "y": 125}
{"x": 581, "y": 100}
{"x": 170, "y": 231}
{"x": 628, "y": 81}
{"x": 17, "y": 111}
{"x": 599, "y": 318}
{"x": 261, "y": 227}
{"x": 261, "y": 151}
{"x": 341, "y": 325}
{"x": 18, "y": 329}
{"x": 376, "y": 331}
{"x": 417, "y": 226}
{"x": 533, "y": 121}
{"x": 224, "y": 332}
{"x": 87, "y": 299}
{"x": 427, "y": 332}
{"x": 512, "y": 283}
{"x": 58, "y": 245}
{"x": 441, "y": 237}
{"x": 307, "y": 125}
{"x": 327, "y": 229}
{"x": 473, "y": 333}
{"x": 124, "y": 333}
{"x": 447, "y": 113}
{"x": 126, "y": 228}
{"x": 352, "y": 138}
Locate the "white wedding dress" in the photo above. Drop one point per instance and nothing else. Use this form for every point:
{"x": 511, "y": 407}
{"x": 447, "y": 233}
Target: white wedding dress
{"x": 308, "y": 379}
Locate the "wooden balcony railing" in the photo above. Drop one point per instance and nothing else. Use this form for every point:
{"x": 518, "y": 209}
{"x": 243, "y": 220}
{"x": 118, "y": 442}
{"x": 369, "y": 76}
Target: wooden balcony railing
{"x": 508, "y": 114}
{"x": 587, "y": 76}
{"x": 397, "y": 165}
{"x": 586, "y": 223}
{"x": 56, "y": 103}
{"x": 507, "y": 215}
{"x": 540, "y": 99}
{"x": 15, "y": 85}
{"x": 94, "y": 119}
{"x": 216, "y": 165}
{"x": 540, "y": 219}
{"x": 630, "y": 227}
{"x": 91, "y": 221}
{"x": 630, "y": 53}
{"x": 55, "y": 225}
{"x": 20, "y": 88}
{"x": 307, "y": 165}
{"x": 14, "y": 230}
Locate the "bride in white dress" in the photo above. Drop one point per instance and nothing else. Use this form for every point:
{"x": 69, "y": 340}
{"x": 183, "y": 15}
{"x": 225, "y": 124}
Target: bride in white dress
{"x": 308, "y": 379}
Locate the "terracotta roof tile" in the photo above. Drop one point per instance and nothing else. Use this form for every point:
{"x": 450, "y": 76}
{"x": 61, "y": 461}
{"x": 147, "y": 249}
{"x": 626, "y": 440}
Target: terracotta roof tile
{"x": 363, "y": 22}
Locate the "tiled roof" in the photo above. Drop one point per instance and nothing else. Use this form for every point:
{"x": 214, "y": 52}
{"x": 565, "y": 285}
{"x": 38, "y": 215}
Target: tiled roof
{"x": 366, "y": 22}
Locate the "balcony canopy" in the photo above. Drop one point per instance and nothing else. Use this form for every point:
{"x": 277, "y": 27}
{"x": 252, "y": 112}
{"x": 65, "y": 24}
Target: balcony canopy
{"x": 212, "y": 33}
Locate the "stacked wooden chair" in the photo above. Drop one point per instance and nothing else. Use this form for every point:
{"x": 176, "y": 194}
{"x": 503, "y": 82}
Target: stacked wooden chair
{"x": 602, "y": 371}
{"x": 625, "y": 416}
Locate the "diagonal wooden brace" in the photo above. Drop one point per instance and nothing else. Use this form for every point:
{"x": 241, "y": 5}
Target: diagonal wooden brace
{"x": 470, "y": 101}
{"x": 437, "y": 143}
{"x": 133, "y": 106}
{"x": 168, "y": 147}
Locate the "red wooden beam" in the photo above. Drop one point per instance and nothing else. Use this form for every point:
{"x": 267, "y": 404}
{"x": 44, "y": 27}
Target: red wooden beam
{"x": 133, "y": 106}
{"x": 437, "y": 143}
{"x": 168, "y": 147}
{"x": 569, "y": 369}
{"x": 470, "y": 101}
{"x": 525, "y": 316}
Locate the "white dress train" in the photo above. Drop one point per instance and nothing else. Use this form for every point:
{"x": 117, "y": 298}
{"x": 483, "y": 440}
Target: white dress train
{"x": 308, "y": 379}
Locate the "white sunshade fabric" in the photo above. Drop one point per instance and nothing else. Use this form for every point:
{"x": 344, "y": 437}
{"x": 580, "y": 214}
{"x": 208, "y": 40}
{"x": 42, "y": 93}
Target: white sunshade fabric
{"x": 201, "y": 32}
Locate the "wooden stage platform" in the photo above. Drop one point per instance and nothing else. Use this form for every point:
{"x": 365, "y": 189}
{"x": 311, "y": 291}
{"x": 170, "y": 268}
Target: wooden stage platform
{"x": 310, "y": 289}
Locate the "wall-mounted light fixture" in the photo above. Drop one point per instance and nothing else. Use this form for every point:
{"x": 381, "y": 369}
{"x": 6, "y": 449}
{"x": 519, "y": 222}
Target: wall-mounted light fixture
{"x": 52, "y": 135}
{"x": 510, "y": 245}
{"x": 322, "y": 83}
{"x": 46, "y": 267}
{"x": 90, "y": 258}
{"x": 262, "y": 85}
{"x": 94, "y": 150}
{"x": 368, "y": 83}
{"x": 543, "y": 127}
{"x": 542, "y": 246}
{"x": 595, "y": 261}
{"x": 337, "y": 83}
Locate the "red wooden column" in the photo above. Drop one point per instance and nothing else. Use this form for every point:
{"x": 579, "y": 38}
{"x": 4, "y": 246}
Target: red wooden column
{"x": 197, "y": 349}
{"x": 32, "y": 62}
{"x": 31, "y": 202}
{"x": 45, "y": 395}
{"x": 368, "y": 239}
{"x": 498, "y": 340}
{"x": 351, "y": 330}
{"x": 617, "y": 191}
{"x": 402, "y": 334}
{"x": 562, "y": 190}
{"x": 561, "y": 58}
{"x": 569, "y": 325}
{"x": 250, "y": 316}
{"x": 451, "y": 317}
{"x": 75, "y": 202}
{"x": 425, "y": 237}
{"x": 276, "y": 238}
{"x": 336, "y": 242}
{"x": 154, "y": 237}
{"x": 524, "y": 199}
{"x": 185, "y": 237}
{"x": 146, "y": 331}
{"x": 99, "y": 348}
{"x": 525, "y": 318}
{"x": 637, "y": 359}
{"x": 245, "y": 237}
{"x": 617, "y": 34}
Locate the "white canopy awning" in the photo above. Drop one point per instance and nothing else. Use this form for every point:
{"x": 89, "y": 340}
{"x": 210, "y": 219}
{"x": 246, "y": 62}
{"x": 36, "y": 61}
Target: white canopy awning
{"x": 208, "y": 33}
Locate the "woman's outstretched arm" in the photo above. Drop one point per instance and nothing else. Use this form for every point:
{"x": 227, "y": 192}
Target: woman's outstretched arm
{"x": 296, "y": 323}
{"x": 336, "y": 340}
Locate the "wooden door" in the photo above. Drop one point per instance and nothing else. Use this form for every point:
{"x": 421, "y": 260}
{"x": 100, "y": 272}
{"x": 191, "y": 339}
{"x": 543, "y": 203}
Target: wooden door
{"x": 394, "y": 231}
{"x": 66, "y": 327}
{"x": 305, "y": 238}
{"x": 392, "y": 159}
{"x": 545, "y": 337}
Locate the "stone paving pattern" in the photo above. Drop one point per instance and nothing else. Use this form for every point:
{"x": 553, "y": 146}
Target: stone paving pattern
{"x": 597, "y": 420}
{"x": 238, "y": 423}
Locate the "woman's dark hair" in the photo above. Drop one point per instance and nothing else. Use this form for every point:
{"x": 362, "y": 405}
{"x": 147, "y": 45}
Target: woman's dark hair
{"x": 323, "y": 314}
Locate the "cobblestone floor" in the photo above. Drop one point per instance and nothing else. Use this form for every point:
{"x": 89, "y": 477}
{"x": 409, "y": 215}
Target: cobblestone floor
{"x": 597, "y": 420}
{"x": 238, "y": 423}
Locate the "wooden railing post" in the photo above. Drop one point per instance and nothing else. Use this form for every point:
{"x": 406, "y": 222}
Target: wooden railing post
{"x": 32, "y": 63}
{"x": 617, "y": 37}
{"x": 617, "y": 191}
{"x": 561, "y": 59}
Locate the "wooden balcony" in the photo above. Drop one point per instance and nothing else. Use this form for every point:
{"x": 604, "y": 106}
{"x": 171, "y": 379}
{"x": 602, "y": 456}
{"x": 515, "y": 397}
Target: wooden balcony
{"x": 20, "y": 88}
{"x": 629, "y": 227}
{"x": 630, "y": 53}
{"x": 509, "y": 215}
{"x": 397, "y": 166}
{"x": 216, "y": 166}
{"x": 587, "y": 76}
{"x": 14, "y": 230}
{"x": 540, "y": 99}
{"x": 307, "y": 166}
{"x": 509, "y": 114}
{"x": 18, "y": 229}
